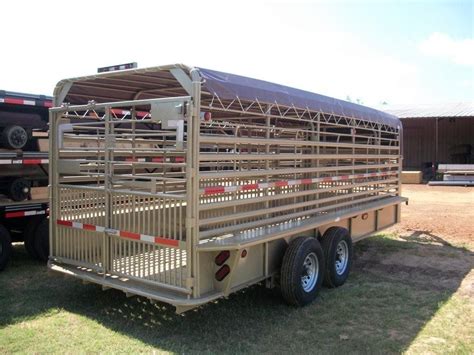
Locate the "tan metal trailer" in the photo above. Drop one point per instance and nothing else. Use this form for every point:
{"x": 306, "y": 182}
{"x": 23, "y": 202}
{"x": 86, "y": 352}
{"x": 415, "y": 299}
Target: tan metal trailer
{"x": 184, "y": 184}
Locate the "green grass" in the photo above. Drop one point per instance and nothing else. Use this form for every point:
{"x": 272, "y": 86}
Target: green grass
{"x": 385, "y": 307}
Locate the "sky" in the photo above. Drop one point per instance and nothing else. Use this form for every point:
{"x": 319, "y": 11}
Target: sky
{"x": 399, "y": 52}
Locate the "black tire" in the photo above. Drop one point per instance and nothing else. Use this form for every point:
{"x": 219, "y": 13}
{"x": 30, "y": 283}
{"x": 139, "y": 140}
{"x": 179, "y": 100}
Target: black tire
{"x": 338, "y": 266}
{"x": 293, "y": 270}
{"x": 5, "y": 247}
{"x": 19, "y": 189}
{"x": 14, "y": 137}
{"x": 29, "y": 235}
{"x": 42, "y": 240}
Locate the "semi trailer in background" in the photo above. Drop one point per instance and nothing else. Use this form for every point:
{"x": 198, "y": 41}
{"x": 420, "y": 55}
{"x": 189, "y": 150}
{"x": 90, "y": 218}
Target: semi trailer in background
{"x": 23, "y": 173}
{"x": 185, "y": 184}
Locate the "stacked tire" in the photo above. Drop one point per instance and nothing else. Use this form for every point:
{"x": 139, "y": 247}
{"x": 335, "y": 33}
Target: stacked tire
{"x": 14, "y": 137}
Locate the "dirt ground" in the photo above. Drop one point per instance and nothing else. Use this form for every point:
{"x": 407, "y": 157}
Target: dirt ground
{"x": 446, "y": 212}
{"x": 437, "y": 216}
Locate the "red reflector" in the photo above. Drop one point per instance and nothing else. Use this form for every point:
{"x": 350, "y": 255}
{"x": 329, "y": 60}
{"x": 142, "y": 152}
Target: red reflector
{"x": 244, "y": 253}
{"x": 222, "y": 272}
{"x": 222, "y": 257}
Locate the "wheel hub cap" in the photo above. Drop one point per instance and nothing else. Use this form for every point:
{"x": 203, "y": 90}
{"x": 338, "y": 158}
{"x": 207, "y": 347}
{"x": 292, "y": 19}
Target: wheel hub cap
{"x": 310, "y": 273}
{"x": 18, "y": 137}
{"x": 342, "y": 257}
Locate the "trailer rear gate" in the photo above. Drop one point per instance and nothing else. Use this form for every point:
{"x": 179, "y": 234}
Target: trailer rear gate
{"x": 183, "y": 167}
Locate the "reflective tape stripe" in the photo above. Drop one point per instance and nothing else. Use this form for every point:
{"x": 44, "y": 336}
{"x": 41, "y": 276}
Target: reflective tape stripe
{"x": 129, "y": 235}
{"x": 153, "y": 160}
{"x": 64, "y": 223}
{"x": 123, "y": 234}
{"x": 35, "y": 161}
{"x": 23, "y": 213}
{"x": 23, "y": 161}
{"x": 17, "y": 101}
{"x": 222, "y": 189}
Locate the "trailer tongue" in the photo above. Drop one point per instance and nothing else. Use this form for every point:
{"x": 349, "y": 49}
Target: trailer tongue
{"x": 184, "y": 184}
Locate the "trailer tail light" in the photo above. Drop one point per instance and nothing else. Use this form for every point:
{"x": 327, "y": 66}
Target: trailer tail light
{"x": 222, "y": 257}
{"x": 222, "y": 272}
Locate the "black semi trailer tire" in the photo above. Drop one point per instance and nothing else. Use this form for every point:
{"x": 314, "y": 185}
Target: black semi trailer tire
{"x": 302, "y": 271}
{"x": 14, "y": 137}
{"x": 18, "y": 189}
{"x": 42, "y": 240}
{"x": 337, "y": 246}
{"x": 29, "y": 235}
{"x": 5, "y": 247}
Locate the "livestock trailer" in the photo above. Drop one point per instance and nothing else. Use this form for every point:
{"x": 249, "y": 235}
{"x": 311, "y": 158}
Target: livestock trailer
{"x": 198, "y": 183}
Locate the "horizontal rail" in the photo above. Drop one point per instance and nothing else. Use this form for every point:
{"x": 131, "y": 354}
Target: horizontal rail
{"x": 264, "y": 172}
{"x": 268, "y": 221}
{"x": 223, "y": 189}
{"x": 95, "y": 106}
{"x": 163, "y": 241}
{"x": 129, "y": 192}
{"x": 259, "y": 199}
{"x": 215, "y": 139}
{"x": 273, "y": 232}
{"x": 233, "y": 156}
{"x": 287, "y": 207}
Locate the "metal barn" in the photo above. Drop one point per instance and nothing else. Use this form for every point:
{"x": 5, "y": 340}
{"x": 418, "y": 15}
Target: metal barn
{"x": 436, "y": 134}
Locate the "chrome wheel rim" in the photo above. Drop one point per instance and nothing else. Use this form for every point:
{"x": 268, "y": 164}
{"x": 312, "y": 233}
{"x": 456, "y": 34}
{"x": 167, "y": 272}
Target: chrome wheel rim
{"x": 342, "y": 257}
{"x": 310, "y": 272}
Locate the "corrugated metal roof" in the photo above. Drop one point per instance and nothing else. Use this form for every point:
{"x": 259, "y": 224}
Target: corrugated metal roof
{"x": 454, "y": 109}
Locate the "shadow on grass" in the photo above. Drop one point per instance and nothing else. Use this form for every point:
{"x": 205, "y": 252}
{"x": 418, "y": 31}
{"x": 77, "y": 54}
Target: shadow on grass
{"x": 395, "y": 288}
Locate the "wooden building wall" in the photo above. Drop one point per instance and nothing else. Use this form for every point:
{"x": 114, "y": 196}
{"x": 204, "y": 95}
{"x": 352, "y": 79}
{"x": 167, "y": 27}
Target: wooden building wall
{"x": 419, "y": 137}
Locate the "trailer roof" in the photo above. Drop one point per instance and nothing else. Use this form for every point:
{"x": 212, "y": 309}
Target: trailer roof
{"x": 151, "y": 82}
{"x": 230, "y": 86}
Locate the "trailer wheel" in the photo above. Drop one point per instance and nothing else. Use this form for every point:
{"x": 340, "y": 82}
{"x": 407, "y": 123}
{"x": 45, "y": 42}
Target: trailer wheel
{"x": 5, "y": 247}
{"x": 302, "y": 271}
{"x": 14, "y": 137}
{"x": 42, "y": 240}
{"x": 337, "y": 247}
{"x": 19, "y": 189}
{"x": 29, "y": 235}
